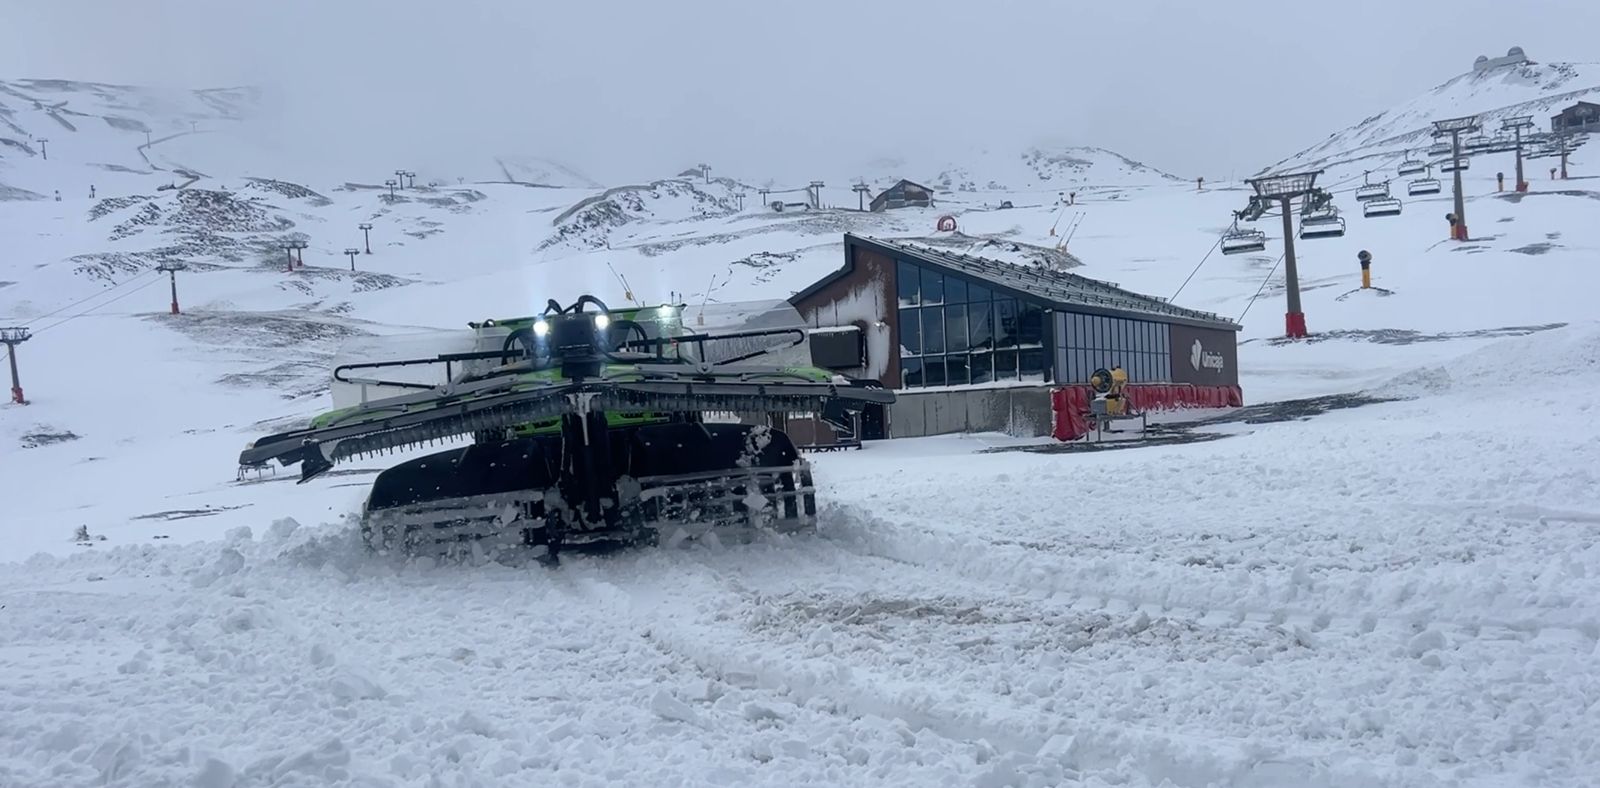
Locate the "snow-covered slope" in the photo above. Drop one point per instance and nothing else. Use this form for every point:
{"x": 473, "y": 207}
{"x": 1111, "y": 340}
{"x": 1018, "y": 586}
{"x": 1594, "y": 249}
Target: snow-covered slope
{"x": 116, "y": 136}
{"x": 1384, "y": 139}
{"x": 59, "y": 135}
{"x": 1340, "y": 591}
{"x": 1038, "y": 169}
{"x": 540, "y": 171}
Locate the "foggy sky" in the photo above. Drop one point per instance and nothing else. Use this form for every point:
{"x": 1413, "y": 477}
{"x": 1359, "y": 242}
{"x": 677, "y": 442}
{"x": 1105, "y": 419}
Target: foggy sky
{"x": 624, "y": 88}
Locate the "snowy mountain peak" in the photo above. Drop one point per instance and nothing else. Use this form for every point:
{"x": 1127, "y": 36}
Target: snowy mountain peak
{"x": 1493, "y": 94}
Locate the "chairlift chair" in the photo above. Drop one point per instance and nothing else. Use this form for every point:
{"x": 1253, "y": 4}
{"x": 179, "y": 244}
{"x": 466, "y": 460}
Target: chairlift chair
{"x": 1322, "y": 224}
{"x": 1439, "y": 149}
{"x": 1372, "y": 191}
{"x": 1477, "y": 142}
{"x": 1422, "y": 186}
{"x": 1237, "y": 241}
{"x": 1386, "y": 206}
{"x": 1412, "y": 166}
{"x": 1458, "y": 164}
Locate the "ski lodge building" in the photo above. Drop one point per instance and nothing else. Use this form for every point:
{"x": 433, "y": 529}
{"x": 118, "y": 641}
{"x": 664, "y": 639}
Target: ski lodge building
{"x": 1580, "y": 118}
{"x": 972, "y": 344}
{"x": 902, "y": 195}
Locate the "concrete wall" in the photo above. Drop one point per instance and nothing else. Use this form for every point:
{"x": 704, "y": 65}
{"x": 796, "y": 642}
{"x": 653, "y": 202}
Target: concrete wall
{"x": 1016, "y": 410}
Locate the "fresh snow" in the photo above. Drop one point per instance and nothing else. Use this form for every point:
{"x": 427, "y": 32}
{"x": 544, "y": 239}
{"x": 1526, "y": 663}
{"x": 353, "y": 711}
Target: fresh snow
{"x": 1397, "y": 593}
{"x": 1537, "y": 89}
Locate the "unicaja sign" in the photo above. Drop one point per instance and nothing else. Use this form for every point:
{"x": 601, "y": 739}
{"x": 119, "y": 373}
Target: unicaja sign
{"x": 1200, "y": 359}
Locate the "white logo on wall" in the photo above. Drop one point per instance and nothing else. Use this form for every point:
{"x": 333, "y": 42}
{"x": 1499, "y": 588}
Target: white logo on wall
{"x": 1199, "y": 358}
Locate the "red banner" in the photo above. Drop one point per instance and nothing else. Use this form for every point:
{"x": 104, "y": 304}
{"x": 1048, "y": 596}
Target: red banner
{"x": 1070, "y": 404}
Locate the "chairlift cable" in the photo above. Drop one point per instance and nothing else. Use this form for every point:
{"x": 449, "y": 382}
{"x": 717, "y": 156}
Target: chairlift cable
{"x": 1196, "y": 270}
{"x": 92, "y": 309}
{"x": 93, "y": 296}
{"x": 1259, "y": 289}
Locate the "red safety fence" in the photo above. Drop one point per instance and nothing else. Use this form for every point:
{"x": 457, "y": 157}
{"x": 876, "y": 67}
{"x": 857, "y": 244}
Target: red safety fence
{"x": 1069, "y": 405}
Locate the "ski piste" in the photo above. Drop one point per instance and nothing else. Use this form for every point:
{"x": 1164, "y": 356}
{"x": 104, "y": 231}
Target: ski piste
{"x": 588, "y": 428}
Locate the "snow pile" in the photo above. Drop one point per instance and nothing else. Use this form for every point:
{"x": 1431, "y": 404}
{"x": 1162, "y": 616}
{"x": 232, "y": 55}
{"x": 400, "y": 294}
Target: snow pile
{"x": 1519, "y": 370}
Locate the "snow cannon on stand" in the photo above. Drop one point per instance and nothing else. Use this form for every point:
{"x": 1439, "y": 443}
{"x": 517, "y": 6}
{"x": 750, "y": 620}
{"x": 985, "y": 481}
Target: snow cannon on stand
{"x": 591, "y": 428}
{"x": 1110, "y": 403}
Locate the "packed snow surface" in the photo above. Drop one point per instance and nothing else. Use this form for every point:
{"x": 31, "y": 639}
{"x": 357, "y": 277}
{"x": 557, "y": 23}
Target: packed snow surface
{"x": 1402, "y": 590}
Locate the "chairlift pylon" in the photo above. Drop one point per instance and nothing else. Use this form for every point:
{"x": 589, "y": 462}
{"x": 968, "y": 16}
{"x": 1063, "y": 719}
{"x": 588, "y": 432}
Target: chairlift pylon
{"x": 1317, "y": 201}
{"x": 1252, "y": 211}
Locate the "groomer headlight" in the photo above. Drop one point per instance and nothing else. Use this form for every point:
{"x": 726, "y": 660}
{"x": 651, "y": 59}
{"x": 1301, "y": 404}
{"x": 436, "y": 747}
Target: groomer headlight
{"x": 601, "y": 321}
{"x": 541, "y": 328}
{"x": 665, "y": 310}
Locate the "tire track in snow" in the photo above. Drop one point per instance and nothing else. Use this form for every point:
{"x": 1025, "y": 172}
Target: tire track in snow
{"x": 719, "y": 643}
{"x": 1032, "y": 570}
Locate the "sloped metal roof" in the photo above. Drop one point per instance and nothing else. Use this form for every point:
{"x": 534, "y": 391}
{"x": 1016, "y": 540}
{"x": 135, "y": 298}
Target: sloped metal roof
{"x": 1058, "y": 289}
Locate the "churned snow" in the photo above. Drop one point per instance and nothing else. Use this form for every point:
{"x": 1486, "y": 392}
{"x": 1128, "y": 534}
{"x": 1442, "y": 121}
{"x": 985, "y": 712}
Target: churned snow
{"x": 1403, "y": 592}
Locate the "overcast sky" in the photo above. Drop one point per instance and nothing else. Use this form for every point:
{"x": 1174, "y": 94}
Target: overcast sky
{"x": 619, "y": 88}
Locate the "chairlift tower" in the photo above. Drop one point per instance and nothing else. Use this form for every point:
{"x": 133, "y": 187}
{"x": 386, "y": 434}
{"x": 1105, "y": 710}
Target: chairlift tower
{"x": 390, "y": 183}
{"x": 1561, "y": 140}
{"x": 861, "y": 189}
{"x": 11, "y": 337}
{"x": 300, "y": 253}
{"x": 171, "y": 270}
{"x": 1284, "y": 189}
{"x": 352, "y": 252}
{"x": 1454, "y": 127}
{"x": 1517, "y": 124}
{"x": 366, "y": 234}
{"x": 816, "y": 194}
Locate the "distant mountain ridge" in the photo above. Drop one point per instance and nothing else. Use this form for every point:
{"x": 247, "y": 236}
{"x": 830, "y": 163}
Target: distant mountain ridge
{"x": 1537, "y": 89}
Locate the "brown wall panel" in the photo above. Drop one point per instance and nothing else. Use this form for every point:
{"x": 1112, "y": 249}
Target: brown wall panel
{"x": 1204, "y": 356}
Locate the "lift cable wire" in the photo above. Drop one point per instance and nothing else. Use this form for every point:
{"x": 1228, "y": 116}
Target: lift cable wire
{"x": 93, "y": 296}
{"x": 1259, "y": 289}
{"x": 93, "y": 309}
{"x": 1197, "y": 267}
{"x": 7, "y": 354}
